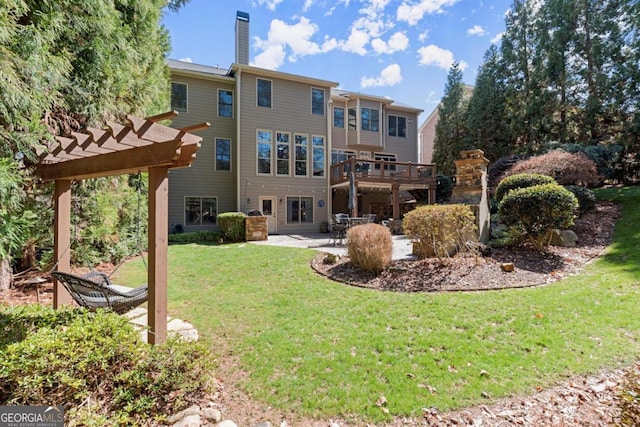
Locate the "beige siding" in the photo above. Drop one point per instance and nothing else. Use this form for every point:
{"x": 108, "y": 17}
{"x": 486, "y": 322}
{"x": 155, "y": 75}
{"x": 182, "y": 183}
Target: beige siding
{"x": 201, "y": 179}
{"x": 406, "y": 149}
{"x": 290, "y": 112}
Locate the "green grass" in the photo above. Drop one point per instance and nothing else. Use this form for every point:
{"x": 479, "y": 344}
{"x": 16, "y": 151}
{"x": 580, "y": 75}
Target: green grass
{"x": 323, "y": 349}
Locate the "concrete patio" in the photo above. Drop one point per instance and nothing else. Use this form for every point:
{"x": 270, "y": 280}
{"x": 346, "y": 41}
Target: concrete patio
{"x": 402, "y": 248}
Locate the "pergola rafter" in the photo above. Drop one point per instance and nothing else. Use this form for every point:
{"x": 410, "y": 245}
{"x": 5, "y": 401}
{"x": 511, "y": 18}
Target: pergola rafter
{"x": 138, "y": 145}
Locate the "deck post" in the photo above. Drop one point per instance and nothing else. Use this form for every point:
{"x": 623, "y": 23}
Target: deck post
{"x": 158, "y": 237}
{"x": 62, "y": 239}
{"x": 395, "y": 198}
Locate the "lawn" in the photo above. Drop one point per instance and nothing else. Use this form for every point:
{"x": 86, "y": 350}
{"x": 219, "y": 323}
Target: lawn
{"x": 323, "y": 349}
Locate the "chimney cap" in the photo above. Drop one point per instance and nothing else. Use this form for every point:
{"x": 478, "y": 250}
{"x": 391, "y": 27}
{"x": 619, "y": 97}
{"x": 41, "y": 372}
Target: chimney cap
{"x": 244, "y": 16}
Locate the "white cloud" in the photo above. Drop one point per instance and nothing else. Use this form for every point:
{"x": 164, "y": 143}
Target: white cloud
{"x": 434, "y": 55}
{"x": 356, "y": 42}
{"x": 296, "y": 37}
{"x": 497, "y": 38}
{"x": 271, "y": 4}
{"x": 412, "y": 13}
{"x": 476, "y": 30}
{"x": 389, "y": 76}
{"x": 307, "y": 5}
{"x": 272, "y": 58}
{"x": 187, "y": 59}
{"x": 423, "y": 35}
{"x": 397, "y": 42}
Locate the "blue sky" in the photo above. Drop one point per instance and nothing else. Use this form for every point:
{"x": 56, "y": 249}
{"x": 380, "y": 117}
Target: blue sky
{"x": 401, "y": 49}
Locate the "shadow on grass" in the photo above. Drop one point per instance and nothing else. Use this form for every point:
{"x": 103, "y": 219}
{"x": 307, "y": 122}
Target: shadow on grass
{"x": 624, "y": 252}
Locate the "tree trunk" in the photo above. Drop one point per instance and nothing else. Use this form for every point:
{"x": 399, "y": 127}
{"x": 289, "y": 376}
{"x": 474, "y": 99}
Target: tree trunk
{"x": 6, "y": 274}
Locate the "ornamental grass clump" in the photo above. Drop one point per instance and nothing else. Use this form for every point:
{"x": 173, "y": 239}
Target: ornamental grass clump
{"x": 538, "y": 211}
{"x": 369, "y": 246}
{"x": 439, "y": 230}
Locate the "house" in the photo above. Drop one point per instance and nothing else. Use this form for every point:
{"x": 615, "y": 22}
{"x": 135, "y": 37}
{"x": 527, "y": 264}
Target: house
{"x": 293, "y": 147}
{"x": 427, "y": 130}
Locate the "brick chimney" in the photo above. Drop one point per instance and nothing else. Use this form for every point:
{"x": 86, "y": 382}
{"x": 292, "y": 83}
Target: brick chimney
{"x": 242, "y": 38}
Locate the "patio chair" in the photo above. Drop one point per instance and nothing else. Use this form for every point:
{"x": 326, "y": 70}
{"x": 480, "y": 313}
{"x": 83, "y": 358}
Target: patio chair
{"x": 95, "y": 290}
{"x": 339, "y": 229}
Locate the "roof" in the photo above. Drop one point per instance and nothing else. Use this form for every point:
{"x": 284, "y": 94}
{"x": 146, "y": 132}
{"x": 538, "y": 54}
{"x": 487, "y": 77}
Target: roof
{"x": 198, "y": 70}
{"x": 390, "y": 103}
{"x": 280, "y": 75}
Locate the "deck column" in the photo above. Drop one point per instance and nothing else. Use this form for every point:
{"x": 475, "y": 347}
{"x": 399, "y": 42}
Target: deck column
{"x": 158, "y": 237}
{"x": 395, "y": 200}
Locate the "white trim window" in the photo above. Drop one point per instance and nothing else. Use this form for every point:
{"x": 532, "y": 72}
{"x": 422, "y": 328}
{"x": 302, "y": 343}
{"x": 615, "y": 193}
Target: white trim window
{"x": 338, "y": 117}
{"x": 225, "y": 103}
{"x": 299, "y": 210}
{"x": 223, "y": 154}
{"x": 339, "y": 156}
{"x": 317, "y": 101}
{"x": 200, "y": 210}
{"x": 264, "y": 93}
{"x": 179, "y": 97}
{"x": 397, "y": 126}
{"x": 318, "y": 155}
{"x": 352, "y": 119}
{"x": 283, "y": 153}
{"x": 386, "y": 158}
{"x": 301, "y": 143}
{"x": 264, "y": 148}
{"x": 370, "y": 119}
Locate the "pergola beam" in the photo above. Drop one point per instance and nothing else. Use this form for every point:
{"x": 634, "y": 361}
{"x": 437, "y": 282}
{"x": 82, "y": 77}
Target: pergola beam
{"x": 139, "y": 145}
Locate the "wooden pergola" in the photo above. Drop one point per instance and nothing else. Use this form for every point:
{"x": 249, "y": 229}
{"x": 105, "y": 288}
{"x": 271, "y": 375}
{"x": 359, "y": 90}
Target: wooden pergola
{"x": 137, "y": 145}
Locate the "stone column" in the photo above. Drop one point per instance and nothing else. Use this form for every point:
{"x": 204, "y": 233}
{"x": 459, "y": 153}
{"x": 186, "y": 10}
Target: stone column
{"x": 472, "y": 188}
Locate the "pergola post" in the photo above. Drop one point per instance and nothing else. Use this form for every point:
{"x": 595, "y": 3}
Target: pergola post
{"x": 62, "y": 238}
{"x": 158, "y": 236}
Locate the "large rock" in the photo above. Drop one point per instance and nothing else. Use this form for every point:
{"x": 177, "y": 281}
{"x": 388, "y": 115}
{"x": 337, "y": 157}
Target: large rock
{"x": 564, "y": 238}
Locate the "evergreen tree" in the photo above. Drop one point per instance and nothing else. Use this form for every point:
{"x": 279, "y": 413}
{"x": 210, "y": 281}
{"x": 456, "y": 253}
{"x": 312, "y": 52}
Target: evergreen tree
{"x": 69, "y": 63}
{"x": 486, "y": 115}
{"x": 518, "y": 49}
{"x": 451, "y": 131}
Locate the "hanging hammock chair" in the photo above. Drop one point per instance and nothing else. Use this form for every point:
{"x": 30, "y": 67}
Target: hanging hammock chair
{"x": 95, "y": 290}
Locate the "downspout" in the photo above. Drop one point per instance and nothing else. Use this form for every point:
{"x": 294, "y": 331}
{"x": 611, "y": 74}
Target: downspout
{"x": 328, "y": 159}
{"x": 381, "y": 126}
{"x": 238, "y": 134}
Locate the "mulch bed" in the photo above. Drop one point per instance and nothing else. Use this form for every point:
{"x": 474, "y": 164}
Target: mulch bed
{"x": 474, "y": 272}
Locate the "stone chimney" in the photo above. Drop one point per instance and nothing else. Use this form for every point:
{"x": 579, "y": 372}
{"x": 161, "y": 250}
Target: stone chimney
{"x": 242, "y": 38}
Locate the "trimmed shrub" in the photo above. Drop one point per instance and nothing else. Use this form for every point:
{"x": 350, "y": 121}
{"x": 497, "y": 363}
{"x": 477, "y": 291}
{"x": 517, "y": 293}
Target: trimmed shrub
{"x": 586, "y": 198}
{"x": 565, "y": 168}
{"x": 439, "y": 230}
{"x": 538, "y": 210}
{"x": 76, "y": 356}
{"x": 522, "y": 180}
{"x": 628, "y": 400}
{"x": 369, "y": 246}
{"x": 195, "y": 237}
{"x": 232, "y": 226}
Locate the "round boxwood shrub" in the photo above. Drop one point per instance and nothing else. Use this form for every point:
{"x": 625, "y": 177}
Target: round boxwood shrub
{"x": 586, "y": 198}
{"x": 522, "y": 180}
{"x": 538, "y": 210}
